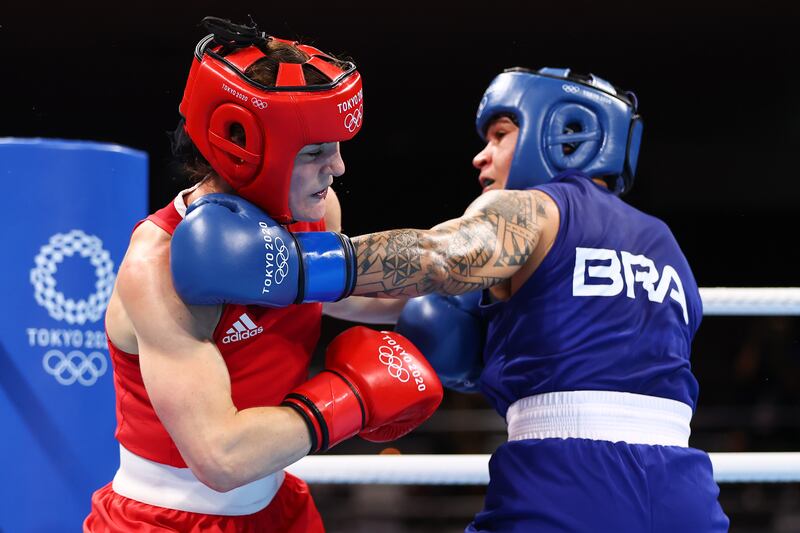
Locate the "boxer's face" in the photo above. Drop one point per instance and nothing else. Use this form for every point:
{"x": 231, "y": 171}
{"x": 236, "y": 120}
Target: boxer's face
{"x": 494, "y": 161}
{"x": 314, "y": 169}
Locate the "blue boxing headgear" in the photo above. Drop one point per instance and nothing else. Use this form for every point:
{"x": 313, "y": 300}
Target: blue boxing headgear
{"x": 566, "y": 122}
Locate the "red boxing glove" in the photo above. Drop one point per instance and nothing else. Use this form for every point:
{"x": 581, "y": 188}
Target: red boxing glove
{"x": 375, "y": 383}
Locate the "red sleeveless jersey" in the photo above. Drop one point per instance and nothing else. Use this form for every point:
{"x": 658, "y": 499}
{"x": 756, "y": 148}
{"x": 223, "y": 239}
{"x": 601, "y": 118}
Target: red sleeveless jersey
{"x": 267, "y": 352}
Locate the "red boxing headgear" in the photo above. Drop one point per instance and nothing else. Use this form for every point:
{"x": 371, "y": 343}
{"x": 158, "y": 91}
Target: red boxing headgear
{"x": 277, "y": 121}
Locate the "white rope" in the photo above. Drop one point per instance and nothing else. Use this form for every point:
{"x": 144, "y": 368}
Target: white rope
{"x": 783, "y": 467}
{"x": 750, "y": 301}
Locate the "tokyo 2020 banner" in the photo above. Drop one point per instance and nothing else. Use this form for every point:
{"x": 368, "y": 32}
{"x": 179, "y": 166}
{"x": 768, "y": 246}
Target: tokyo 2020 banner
{"x": 69, "y": 208}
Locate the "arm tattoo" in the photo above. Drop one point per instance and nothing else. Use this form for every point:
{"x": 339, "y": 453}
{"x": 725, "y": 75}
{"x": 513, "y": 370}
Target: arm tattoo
{"x": 487, "y": 245}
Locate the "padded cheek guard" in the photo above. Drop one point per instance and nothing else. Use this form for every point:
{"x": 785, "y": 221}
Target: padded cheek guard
{"x": 277, "y": 121}
{"x": 565, "y": 124}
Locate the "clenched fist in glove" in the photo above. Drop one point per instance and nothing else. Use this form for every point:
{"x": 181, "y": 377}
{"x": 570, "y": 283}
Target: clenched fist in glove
{"x": 227, "y": 250}
{"x": 375, "y": 384}
{"x": 451, "y": 332}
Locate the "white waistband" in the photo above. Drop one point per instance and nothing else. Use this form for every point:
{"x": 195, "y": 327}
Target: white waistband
{"x": 600, "y": 415}
{"x": 177, "y": 488}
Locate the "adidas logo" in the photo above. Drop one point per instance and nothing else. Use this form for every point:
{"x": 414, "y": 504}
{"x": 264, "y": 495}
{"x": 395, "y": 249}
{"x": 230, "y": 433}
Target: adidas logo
{"x": 242, "y": 329}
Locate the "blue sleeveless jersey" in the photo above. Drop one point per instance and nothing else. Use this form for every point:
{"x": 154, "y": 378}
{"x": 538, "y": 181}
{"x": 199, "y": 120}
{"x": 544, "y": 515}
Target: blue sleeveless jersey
{"x": 614, "y": 306}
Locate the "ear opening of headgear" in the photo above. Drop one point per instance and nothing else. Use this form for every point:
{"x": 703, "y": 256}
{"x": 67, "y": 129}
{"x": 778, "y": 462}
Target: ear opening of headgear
{"x": 277, "y": 120}
{"x": 573, "y": 136}
{"x": 567, "y": 121}
{"x": 239, "y": 162}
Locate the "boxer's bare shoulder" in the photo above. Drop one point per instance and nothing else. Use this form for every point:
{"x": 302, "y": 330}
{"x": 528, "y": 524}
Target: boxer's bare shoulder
{"x": 144, "y": 295}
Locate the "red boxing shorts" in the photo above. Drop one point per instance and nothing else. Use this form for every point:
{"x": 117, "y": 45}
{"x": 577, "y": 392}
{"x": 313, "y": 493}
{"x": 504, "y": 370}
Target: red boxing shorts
{"x": 292, "y": 510}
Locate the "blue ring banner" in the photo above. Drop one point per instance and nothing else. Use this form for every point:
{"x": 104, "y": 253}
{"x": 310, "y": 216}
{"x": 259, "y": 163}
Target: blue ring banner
{"x": 68, "y": 213}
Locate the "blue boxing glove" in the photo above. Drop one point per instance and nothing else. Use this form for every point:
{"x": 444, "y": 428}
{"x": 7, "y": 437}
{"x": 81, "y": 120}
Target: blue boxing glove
{"x": 450, "y": 332}
{"x": 227, "y": 250}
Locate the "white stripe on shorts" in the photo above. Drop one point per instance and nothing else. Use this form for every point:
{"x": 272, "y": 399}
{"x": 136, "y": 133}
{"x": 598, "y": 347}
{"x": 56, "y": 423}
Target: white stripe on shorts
{"x": 600, "y": 415}
{"x": 177, "y": 488}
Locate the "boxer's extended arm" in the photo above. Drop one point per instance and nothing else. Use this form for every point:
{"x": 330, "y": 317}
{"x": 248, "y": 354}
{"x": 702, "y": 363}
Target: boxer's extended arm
{"x": 489, "y": 243}
{"x": 188, "y": 383}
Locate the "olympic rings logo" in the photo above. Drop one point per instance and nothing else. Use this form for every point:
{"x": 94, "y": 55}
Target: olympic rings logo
{"x": 261, "y": 104}
{"x": 75, "y": 366}
{"x": 282, "y": 257}
{"x": 44, "y": 283}
{"x": 394, "y": 364}
{"x": 572, "y": 89}
{"x": 353, "y": 120}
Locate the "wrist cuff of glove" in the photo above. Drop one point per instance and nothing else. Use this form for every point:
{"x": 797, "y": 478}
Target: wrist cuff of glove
{"x": 329, "y": 266}
{"x": 331, "y": 407}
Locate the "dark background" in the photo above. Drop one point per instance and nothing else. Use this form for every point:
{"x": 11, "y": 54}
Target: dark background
{"x": 718, "y": 87}
{"x": 717, "y": 82}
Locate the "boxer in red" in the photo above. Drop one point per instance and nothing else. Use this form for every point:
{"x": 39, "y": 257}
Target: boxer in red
{"x": 213, "y": 401}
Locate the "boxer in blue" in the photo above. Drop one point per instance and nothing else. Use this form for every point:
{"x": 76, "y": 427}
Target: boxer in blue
{"x": 589, "y": 309}
{"x": 588, "y": 332}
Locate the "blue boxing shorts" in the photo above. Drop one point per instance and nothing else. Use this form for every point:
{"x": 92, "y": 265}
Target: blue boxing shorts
{"x": 576, "y": 484}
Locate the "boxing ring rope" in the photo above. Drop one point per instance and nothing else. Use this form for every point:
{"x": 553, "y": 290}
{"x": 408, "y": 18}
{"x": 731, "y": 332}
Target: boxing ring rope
{"x": 747, "y": 301}
{"x": 774, "y": 467}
